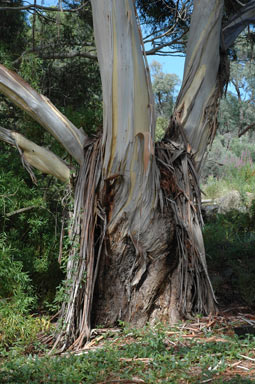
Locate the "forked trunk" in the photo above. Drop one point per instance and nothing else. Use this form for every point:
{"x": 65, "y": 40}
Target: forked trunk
{"x": 137, "y": 251}
{"x": 141, "y": 247}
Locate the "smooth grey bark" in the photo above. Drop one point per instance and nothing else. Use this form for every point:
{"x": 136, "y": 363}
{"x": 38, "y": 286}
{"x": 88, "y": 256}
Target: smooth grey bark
{"x": 129, "y": 124}
{"x": 36, "y": 156}
{"x": 196, "y": 109}
{"x": 238, "y": 23}
{"x": 43, "y": 111}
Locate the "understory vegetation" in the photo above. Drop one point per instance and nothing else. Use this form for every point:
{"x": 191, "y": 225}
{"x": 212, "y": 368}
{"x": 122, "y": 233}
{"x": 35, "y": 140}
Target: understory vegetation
{"x": 205, "y": 350}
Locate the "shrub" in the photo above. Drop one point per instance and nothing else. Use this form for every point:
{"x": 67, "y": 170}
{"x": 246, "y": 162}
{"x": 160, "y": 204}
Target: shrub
{"x": 229, "y": 242}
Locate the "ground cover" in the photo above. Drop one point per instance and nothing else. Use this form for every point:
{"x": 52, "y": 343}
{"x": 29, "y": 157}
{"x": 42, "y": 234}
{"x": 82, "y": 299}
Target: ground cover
{"x": 203, "y": 350}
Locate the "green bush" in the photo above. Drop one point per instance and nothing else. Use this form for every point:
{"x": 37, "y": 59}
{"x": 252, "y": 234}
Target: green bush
{"x": 230, "y": 242}
{"x": 18, "y": 329}
{"x": 236, "y": 173}
{"x": 32, "y": 236}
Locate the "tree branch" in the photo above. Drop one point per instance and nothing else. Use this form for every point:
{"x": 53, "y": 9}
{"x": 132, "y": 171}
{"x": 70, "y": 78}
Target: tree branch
{"x": 64, "y": 55}
{"x": 238, "y": 23}
{"x": 42, "y": 8}
{"x": 36, "y": 156}
{"x": 246, "y": 129}
{"x": 21, "y": 210}
{"x": 55, "y": 55}
{"x": 156, "y": 49}
{"x": 44, "y": 112}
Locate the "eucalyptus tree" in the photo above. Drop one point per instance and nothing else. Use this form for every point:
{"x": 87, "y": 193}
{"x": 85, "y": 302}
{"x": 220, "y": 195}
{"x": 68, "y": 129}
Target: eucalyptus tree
{"x": 137, "y": 250}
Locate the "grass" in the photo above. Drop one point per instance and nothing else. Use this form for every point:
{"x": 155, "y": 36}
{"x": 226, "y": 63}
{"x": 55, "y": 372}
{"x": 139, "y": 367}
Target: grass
{"x": 237, "y": 174}
{"x": 205, "y": 350}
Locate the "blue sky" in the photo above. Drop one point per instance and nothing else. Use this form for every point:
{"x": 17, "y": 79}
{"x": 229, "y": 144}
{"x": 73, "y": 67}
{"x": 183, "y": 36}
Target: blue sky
{"x": 170, "y": 64}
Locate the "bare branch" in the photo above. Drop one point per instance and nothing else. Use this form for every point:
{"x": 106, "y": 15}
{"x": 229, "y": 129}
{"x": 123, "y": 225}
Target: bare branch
{"x": 238, "y": 23}
{"x": 21, "y": 210}
{"x": 156, "y": 49}
{"x": 246, "y": 129}
{"x": 36, "y": 156}
{"x": 43, "y": 111}
{"x": 65, "y": 55}
{"x": 54, "y": 55}
{"x": 42, "y": 8}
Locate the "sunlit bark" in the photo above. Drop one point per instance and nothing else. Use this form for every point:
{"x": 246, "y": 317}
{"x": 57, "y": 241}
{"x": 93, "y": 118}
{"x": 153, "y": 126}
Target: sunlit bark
{"x": 134, "y": 221}
{"x": 196, "y": 110}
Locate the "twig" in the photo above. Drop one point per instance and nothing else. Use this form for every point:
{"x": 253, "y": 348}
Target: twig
{"x": 247, "y": 357}
{"x": 42, "y": 8}
{"x": 142, "y": 359}
{"x": 126, "y": 381}
{"x": 21, "y": 210}
{"x": 240, "y": 366}
{"x": 250, "y": 322}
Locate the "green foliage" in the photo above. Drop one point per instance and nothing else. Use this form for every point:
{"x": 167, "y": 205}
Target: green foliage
{"x": 72, "y": 84}
{"x": 161, "y": 126}
{"x": 32, "y": 236}
{"x": 229, "y": 242}
{"x": 15, "y": 289}
{"x": 12, "y": 32}
{"x": 32, "y": 70}
{"x": 19, "y": 333}
{"x": 229, "y": 169}
{"x": 164, "y": 89}
{"x": 18, "y": 329}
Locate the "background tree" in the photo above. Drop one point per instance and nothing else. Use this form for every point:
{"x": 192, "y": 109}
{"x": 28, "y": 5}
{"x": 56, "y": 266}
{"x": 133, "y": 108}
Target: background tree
{"x": 164, "y": 91}
{"x": 236, "y": 115}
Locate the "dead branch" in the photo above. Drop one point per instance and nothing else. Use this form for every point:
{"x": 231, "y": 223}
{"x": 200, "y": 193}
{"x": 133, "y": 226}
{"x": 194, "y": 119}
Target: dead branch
{"x": 42, "y": 8}
{"x": 21, "y": 210}
{"x": 36, "y": 156}
{"x": 246, "y": 129}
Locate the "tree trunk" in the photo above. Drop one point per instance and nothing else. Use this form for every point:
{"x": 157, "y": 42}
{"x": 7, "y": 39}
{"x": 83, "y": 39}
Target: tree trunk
{"x": 137, "y": 251}
{"x": 142, "y": 246}
{"x": 136, "y": 263}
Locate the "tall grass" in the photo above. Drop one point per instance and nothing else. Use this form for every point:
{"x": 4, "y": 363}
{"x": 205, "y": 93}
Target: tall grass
{"x": 238, "y": 174}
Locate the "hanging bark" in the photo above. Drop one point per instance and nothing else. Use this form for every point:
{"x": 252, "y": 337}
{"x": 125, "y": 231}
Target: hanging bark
{"x": 192, "y": 128}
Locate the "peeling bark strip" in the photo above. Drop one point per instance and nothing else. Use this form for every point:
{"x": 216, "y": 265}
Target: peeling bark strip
{"x": 86, "y": 234}
{"x": 43, "y": 111}
{"x": 179, "y": 182}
